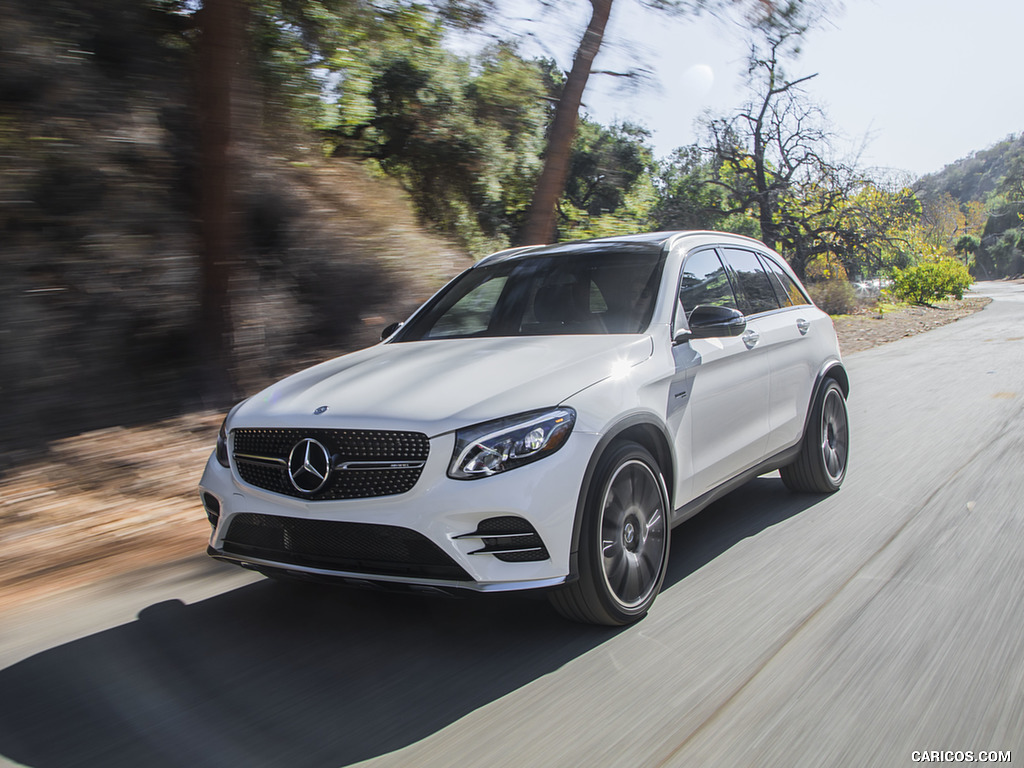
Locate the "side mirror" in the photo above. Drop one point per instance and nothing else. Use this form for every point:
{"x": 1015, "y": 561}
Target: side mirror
{"x": 707, "y": 322}
{"x": 389, "y": 331}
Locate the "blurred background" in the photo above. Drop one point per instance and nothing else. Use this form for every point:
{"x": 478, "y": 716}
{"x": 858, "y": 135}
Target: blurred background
{"x": 103, "y": 138}
{"x": 199, "y": 197}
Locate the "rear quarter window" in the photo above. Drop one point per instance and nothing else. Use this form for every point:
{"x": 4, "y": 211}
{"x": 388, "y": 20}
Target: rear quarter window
{"x": 789, "y": 292}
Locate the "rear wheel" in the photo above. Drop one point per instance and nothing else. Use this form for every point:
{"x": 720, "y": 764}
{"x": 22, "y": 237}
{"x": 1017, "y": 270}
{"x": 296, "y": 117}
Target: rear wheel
{"x": 821, "y": 464}
{"x": 623, "y": 541}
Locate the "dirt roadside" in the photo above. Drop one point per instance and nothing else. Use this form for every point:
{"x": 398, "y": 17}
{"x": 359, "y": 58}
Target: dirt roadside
{"x": 868, "y": 329}
{"x": 109, "y": 502}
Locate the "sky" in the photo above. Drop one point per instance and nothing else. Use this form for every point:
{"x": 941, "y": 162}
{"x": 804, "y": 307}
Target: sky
{"x": 913, "y": 85}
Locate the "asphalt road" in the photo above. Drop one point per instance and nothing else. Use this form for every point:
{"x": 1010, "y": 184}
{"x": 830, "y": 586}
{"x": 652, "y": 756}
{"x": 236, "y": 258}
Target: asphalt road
{"x": 852, "y": 630}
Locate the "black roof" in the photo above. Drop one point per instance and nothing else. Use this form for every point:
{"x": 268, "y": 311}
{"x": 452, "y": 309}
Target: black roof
{"x": 639, "y": 241}
{"x": 651, "y": 239}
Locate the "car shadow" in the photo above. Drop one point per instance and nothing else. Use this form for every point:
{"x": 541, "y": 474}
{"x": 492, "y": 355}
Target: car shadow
{"x": 274, "y": 675}
{"x": 750, "y": 509}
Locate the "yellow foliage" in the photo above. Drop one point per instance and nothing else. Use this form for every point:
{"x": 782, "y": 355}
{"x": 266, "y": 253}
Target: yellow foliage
{"x": 825, "y": 266}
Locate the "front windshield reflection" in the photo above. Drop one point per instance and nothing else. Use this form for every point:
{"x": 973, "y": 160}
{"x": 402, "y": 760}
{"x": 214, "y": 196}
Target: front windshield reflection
{"x": 591, "y": 292}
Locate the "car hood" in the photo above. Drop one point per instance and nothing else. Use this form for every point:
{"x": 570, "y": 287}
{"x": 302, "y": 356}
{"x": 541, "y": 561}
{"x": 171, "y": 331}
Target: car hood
{"x": 442, "y": 385}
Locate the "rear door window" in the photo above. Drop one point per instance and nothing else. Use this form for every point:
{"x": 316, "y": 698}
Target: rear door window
{"x": 754, "y": 291}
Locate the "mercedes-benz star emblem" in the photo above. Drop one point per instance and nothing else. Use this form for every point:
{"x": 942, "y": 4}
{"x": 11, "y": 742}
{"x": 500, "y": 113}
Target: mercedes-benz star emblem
{"x": 309, "y": 465}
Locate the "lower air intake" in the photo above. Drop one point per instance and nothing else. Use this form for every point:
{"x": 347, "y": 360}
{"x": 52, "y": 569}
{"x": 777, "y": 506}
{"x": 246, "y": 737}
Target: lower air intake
{"x": 381, "y": 550}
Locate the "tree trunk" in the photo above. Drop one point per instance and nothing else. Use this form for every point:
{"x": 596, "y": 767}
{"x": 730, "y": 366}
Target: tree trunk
{"x": 765, "y": 209}
{"x": 218, "y": 48}
{"x": 540, "y": 221}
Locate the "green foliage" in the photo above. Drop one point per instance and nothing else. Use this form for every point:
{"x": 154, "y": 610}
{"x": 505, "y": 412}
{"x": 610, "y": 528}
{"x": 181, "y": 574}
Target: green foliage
{"x": 835, "y": 296}
{"x": 877, "y": 228}
{"x": 694, "y": 194}
{"x": 465, "y": 14}
{"x": 375, "y": 81}
{"x": 630, "y": 217}
{"x": 1001, "y": 250}
{"x": 967, "y": 244}
{"x": 463, "y": 138}
{"x": 604, "y": 165}
{"x": 1012, "y": 184}
{"x": 988, "y": 186}
{"x": 837, "y": 217}
{"x": 1002, "y": 254}
{"x": 610, "y": 189}
{"x": 931, "y": 280}
{"x": 313, "y": 59}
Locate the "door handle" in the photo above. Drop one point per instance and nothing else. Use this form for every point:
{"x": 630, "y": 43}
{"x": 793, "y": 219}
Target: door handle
{"x": 803, "y": 326}
{"x": 750, "y": 338}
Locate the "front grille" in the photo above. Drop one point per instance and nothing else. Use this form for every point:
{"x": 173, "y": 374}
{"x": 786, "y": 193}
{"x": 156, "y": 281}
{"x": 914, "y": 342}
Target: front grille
{"x": 383, "y": 550}
{"x": 261, "y": 456}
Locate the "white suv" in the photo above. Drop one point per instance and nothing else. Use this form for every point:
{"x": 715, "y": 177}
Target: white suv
{"x": 540, "y": 423}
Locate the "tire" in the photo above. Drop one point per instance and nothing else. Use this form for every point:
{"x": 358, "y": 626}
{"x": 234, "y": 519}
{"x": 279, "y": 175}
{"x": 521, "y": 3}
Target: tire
{"x": 624, "y": 541}
{"x": 821, "y": 464}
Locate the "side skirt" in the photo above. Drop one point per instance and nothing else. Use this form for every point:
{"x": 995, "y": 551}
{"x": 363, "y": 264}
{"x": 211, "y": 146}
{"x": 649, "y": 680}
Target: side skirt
{"x": 694, "y": 506}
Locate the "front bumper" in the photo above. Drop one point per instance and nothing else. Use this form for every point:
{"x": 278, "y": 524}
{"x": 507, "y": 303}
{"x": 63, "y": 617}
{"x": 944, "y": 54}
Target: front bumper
{"x": 437, "y": 524}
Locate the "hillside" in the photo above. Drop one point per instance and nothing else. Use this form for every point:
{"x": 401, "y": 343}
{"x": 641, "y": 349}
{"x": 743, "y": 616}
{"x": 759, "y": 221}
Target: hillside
{"x": 99, "y": 219}
{"x": 977, "y": 176}
{"x": 992, "y": 178}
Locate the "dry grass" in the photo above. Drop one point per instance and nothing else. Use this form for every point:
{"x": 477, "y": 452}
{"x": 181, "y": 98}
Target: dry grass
{"x": 104, "y": 502}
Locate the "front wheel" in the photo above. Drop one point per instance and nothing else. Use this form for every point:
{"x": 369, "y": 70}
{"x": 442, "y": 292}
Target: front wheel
{"x": 624, "y": 541}
{"x": 821, "y": 465}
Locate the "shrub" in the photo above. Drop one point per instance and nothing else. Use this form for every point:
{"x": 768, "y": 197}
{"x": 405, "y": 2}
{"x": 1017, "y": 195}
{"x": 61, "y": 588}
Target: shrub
{"x": 837, "y": 297}
{"x": 931, "y": 281}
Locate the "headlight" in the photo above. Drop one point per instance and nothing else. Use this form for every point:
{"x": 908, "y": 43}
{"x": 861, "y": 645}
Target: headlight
{"x": 222, "y": 444}
{"x": 497, "y": 446}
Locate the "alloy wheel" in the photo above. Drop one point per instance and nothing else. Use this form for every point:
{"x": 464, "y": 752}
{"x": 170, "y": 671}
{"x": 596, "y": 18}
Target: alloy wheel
{"x": 633, "y": 533}
{"x": 834, "y": 434}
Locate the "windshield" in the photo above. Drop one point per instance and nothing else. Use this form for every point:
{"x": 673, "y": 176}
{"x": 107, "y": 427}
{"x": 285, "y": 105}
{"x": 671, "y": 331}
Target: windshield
{"x": 590, "y": 292}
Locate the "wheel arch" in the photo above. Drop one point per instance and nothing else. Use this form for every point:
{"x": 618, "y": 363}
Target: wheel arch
{"x": 833, "y": 370}
{"x": 640, "y": 429}
{"x": 812, "y": 471}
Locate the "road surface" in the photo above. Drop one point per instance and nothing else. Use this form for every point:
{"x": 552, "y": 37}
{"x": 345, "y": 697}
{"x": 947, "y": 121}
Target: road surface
{"x": 854, "y": 630}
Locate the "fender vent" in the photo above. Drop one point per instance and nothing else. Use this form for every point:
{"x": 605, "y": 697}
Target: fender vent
{"x": 212, "y": 506}
{"x": 510, "y": 539}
